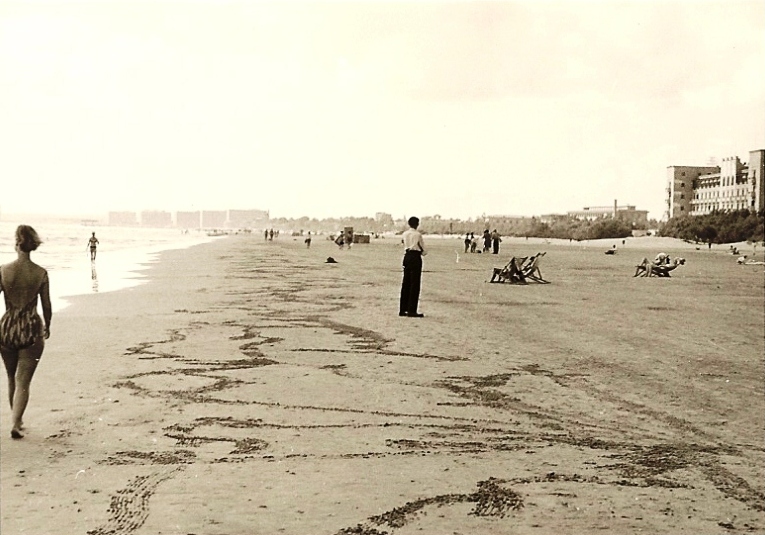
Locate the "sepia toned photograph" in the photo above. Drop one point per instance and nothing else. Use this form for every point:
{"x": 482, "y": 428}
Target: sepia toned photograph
{"x": 375, "y": 267}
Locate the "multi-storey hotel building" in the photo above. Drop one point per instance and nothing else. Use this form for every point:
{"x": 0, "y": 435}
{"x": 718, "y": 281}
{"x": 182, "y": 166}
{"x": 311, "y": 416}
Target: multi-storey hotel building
{"x": 733, "y": 185}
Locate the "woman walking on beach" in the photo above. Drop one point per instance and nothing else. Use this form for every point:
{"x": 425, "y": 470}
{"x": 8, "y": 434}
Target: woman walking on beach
{"x": 22, "y": 332}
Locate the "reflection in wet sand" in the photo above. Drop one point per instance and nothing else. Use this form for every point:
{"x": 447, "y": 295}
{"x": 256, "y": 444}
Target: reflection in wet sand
{"x": 94, "y": 276}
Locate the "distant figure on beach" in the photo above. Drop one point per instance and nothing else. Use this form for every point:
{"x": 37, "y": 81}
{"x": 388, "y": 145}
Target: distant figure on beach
{"x": 308, "y": 240}
{"x": 414, "y": 250}
{"x": 486, "y": 241}
{"x": 340, "y": 240}
{"x": 265, "y": 234}
{"x": 93, "y": 244}
{"x": 473, "y": 243}
{"x": 22, "y": 332}
{"x": 467, "y": 242}
{"x": 495, "y": 239}
{"x": 271, "y": 235}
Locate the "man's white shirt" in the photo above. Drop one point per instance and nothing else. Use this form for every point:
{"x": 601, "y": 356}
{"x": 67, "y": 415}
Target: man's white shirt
{"x": 413, "y": 241}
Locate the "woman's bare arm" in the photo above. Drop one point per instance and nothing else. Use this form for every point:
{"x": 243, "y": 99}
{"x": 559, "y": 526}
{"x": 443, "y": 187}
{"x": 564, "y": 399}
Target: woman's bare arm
{"x": 45, "y": 300}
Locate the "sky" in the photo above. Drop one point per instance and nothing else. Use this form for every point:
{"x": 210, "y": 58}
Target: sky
{"x": 457, "y": 109}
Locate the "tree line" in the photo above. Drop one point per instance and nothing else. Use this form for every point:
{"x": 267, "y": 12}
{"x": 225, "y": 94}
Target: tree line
{"x": 562, "y": 227}
{"x": 717, "y": 227}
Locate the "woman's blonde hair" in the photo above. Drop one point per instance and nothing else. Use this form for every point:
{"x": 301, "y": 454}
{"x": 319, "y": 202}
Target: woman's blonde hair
{"x": 27, "y": 238}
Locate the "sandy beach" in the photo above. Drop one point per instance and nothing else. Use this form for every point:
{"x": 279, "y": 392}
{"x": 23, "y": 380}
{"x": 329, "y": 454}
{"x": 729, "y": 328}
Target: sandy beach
{"x": 251, "y": 388}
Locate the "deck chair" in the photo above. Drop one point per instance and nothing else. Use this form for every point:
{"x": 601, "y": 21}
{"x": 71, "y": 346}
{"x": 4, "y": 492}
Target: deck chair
{"x": 511, "y": 272}
{"x": 531, "y": 269}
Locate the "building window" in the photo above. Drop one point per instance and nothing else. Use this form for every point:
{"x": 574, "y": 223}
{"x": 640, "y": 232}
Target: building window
{"x": 682, "y": 195}
{"x": 682, "y": 184}
{"x": 682, "y": 208}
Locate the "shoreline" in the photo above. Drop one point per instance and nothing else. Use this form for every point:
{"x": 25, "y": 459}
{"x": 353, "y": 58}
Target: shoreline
{"x": 112, "y": 271}
{"x": 250, "y": 387}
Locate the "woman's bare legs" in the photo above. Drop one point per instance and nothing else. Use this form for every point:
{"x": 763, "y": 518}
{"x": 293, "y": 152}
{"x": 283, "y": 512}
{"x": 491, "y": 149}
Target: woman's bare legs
{"x": 11, "y": 360}
{"x": 26, "y": 365}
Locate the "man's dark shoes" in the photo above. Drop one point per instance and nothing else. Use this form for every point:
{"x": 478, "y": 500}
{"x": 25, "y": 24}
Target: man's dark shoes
{"x": 402, "y": 313}
{"x": 416, "y": 315}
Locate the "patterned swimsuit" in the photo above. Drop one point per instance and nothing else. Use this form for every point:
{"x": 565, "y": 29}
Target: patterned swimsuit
{"x": 20, "y": 327}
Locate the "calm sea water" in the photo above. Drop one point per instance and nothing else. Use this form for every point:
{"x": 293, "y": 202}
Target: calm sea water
{"x": 121, "y": 253}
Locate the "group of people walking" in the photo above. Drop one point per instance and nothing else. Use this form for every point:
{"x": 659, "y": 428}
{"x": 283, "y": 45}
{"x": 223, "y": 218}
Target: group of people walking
{"x": 491, "y": 241}
{"x": 270, "y": 234}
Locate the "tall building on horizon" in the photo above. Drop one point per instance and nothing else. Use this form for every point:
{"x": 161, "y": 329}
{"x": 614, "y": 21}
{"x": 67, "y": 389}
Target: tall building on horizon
{"x": 214, "y": 218}
{"x": 123, "y": 219}
{"x": 733, "y": 185}
{"x": 156, "y": 218}
{"x": 188, "y": 220}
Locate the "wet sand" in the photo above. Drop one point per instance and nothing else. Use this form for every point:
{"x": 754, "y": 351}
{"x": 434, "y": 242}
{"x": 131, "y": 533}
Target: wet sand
{"x": 251, "y": 388}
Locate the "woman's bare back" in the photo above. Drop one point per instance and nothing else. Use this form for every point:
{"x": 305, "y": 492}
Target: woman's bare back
{"x": 21, "y": 282}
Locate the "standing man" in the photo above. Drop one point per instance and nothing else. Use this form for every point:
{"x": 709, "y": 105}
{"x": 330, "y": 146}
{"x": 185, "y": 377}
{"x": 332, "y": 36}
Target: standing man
{"x": 92, "y": 244}
{"x": 410, "y": 285}
{"x": 495, "y": 239}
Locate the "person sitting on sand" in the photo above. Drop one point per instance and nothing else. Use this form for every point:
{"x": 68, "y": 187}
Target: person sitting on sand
{"x": 646, "y": 268}
{"x": 22, "y": 332}
{"x": 513, "y": 271}
{"x": 661, "y": 258}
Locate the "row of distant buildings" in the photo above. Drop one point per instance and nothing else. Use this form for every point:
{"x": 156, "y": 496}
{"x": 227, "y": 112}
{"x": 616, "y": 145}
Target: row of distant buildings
{"x": 733, "y": 185}
{"x": 208, "y": 219}
{"x": 627, "y": 213}
{"x": 691, "y": 190}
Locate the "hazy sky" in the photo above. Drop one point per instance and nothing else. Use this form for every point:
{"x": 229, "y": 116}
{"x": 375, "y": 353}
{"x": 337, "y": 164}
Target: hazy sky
{"x": 350, "y": 108}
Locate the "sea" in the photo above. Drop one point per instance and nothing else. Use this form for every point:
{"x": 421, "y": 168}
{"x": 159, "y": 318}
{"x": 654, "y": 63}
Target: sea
{"x": 123, "y": 252}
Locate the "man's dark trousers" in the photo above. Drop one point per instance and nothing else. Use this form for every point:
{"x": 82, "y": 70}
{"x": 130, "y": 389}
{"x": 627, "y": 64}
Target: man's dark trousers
{"x": 410, "y": 286}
